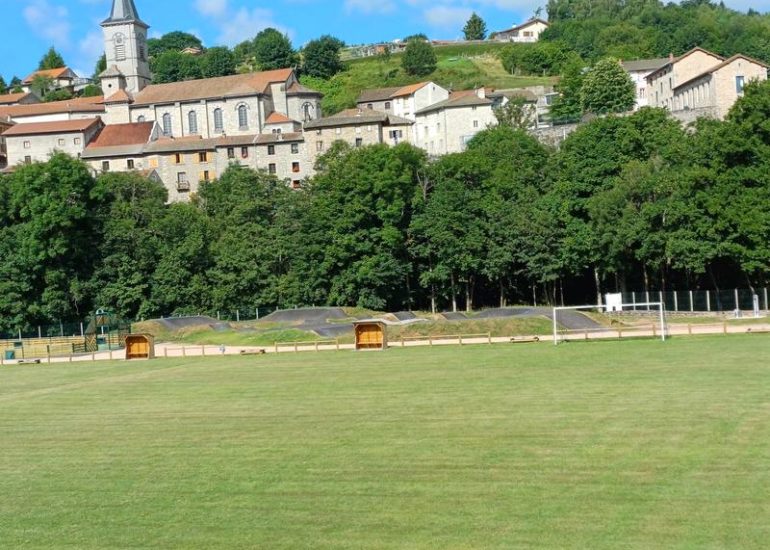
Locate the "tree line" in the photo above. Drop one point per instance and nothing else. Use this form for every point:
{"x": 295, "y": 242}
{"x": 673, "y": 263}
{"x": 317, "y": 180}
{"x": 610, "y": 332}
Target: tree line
{"x": 627, "y": 202}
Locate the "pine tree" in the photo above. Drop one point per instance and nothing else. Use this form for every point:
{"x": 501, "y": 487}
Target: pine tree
{"x": 475, "y": 28}
{"x": 51, "y": 60}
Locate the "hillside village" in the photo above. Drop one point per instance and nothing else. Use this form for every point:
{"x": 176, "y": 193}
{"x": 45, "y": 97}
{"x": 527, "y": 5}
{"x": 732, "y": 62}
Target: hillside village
{"x": 182, "y": 133}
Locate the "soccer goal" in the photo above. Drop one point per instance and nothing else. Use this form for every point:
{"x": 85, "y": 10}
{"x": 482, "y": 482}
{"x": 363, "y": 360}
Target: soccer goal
{"x": 568, "y": 326}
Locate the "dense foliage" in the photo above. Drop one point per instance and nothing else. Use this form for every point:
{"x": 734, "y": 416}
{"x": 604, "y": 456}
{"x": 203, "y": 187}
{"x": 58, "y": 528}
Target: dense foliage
{"x": 321, "y": 57}
{"x": 51, "y": 60}
{"x": 629, "y": 202}
{"x": 419, "y": 59}
{"x": 475, "y": 28}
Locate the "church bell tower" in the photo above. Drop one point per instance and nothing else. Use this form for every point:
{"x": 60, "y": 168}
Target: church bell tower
{"x": 125, "y": 44}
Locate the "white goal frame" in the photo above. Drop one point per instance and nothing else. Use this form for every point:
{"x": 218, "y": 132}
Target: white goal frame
{"x": 603, "y": 308}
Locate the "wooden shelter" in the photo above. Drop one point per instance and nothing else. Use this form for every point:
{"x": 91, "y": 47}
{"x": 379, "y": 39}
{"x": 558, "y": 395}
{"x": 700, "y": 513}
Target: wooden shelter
{"x": 370, "y": 335}
{"x": 140, "y": 346}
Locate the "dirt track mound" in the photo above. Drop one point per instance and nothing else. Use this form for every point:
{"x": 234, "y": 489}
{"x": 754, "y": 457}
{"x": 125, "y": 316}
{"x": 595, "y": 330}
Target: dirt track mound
{"x": 176, "y": 323}
{"x": 315, "y": 315}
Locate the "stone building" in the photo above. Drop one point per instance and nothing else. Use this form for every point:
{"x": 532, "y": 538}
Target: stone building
{"x": 36, "y": 141}
{"x": 638, "y": 71}
{"x": 447, "y": 126}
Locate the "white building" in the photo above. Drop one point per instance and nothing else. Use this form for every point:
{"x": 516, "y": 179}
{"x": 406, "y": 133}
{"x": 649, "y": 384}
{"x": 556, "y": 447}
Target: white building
{"x": 638, "y": 70}
{"x": 526, "y": 33}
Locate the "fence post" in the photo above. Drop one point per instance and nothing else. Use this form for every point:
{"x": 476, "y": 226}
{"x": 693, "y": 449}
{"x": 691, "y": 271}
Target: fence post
{"x": 708, "y": 300}
{"x": 430, "y": 340}
{"x": 724, "y": 327}
{"x": 765, "y": 293}
{"x": 692, "y": 304}
{"x": 39, "y": 332}
{"x": 737, "y": 303}
{"x": 633, "y": 299}
{"x": 654, "y": 332}
{"x": 489, "y": 335}
{"x": 110, "y": 355}
{"x": 237, "y": 315}
{"x": 316, "y": 345}
{"x": 48, "y": 352}
{"x": 276, "y": 347}
{"x": 647, "y": 298}
{"x": 257, "y": 310}
{"x": 620, "y": 333}
{"x": 184, "y": 351}
{"x": 337, "y": 341}
{"x": 165, "y": 352}
{"x": 689, "y": 329}
{"x": 82, "y": 332}
{"x": 460, "y": 338}
{"x": 218, "y": 317}
{"x": 660, "y": 295}
{"x": 203, "y": 351}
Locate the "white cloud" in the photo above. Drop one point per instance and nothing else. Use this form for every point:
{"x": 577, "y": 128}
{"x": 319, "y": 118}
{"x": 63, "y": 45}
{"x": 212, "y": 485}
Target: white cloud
{"x": 212, "y": 8}
{"x": 49, "y": 21}
{"x": 447, "y": 17}
{"x": 369, "y": 6}
{"x": 244, "y": 25}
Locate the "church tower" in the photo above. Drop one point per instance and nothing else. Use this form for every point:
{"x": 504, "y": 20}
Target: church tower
{"x": 125, "y": 43}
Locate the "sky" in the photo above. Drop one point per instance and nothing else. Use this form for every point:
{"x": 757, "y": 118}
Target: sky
{"x": 30, "y": 27}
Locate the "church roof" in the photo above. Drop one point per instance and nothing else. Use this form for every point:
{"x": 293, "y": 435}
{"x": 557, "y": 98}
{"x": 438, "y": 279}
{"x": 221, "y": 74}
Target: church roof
{"x": 57, "y": 127}
{"x": 239, "y": 85}
{"x": 123, "y": 11}
{"x": 89, "y": 105}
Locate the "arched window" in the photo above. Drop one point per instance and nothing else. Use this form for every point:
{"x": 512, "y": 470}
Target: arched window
{"x": 167, "y": 124}
{"x": 192, "y": 122}
{"x": 219, "y": 125}
{"x": 243, "y": 117}
{"x": 141, "y": 118}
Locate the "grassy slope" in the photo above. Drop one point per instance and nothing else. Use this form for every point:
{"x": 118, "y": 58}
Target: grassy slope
{"x": 605, "y": 445}
{"x": 459, "y": 67}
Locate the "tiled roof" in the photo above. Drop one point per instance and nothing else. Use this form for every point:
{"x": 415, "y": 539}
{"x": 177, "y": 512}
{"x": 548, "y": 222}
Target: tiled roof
{"x": 114, "y": 135}
{"x": 10, "y": 99}
{"x": 77, "y": 105}
{"x": 456, "y": 102}
{"x": 678, "y": 59}
{"x": 377, "y": 94}
{"x": 519, "y": 93}
{"x": 170, "y": 145}
{"x": 59, "y": 127}
{"x": 224, "y": 86}
{"x": 641, "y": 65}
{"x": 723, "y": 64}
{"x": 409, "y": 90}
{"x": 262, "y": 139}
{"x": 298, "y": 89}
{"x": 278, "y": 118}
{"x": 121, "y": 96}
{"x": 356, "y": 117}
{"x": 48, "y": 73}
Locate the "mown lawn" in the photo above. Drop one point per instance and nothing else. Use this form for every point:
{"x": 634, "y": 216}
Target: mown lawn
{"x": 631, "y": 444}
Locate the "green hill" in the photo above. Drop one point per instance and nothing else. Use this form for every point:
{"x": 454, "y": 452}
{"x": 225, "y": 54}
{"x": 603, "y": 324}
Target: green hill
{"x": 459, "y": 68}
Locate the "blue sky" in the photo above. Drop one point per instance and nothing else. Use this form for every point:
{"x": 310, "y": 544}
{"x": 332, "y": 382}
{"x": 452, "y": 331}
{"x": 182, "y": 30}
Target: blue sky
{"x": 72, "y": 26}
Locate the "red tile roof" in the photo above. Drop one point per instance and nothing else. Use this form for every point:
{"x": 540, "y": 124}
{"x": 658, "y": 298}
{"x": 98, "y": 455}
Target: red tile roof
{"x": 115, "y": 135}
{"x": 121, "y": 96}
{"x": 77, "y": 105}
{"x": 10, "y": 99}
{"x": 277, "y": 118}
{"x": 224, "y": 86}
{"x": 60, "y": 127}
{"x": 48, "y": 73}
{"x": 409, "y": 90}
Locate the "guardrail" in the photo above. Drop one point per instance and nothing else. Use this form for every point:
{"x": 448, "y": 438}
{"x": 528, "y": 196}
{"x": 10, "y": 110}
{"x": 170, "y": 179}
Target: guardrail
{"x": 462, "y": 339}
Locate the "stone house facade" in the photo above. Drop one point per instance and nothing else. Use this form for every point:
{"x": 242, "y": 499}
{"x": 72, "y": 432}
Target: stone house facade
{"x": 35, "y": 142}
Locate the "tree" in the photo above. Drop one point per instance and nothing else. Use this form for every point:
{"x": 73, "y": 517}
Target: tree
{"x": 173, "y": 66}
{"x": 418, "y": 36}
{"x": 273, "y": 50}
{"x": 607, "y": 88}
{"x": 475, "y": 28}
{"x": 15, "y": 85}
{"x": 101, "y": 66}
{"x": 517, "y": 113}
{"x": 419, "y": 59}
{"x": 130, "y": 207}
{"x": 321, "y": 57}
{"x": 91, "y": 90}
{"x": 218, "y": 61}
{"x": 568, "y": 105}
{"x": 3, "y": 86}
{"x": 58, "y": 95}
{"x": 51, "y": 60}
{"x": 41, "y": 85}
{"x": 173, "y": 41}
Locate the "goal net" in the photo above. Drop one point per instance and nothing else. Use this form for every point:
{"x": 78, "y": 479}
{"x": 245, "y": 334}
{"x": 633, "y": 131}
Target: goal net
{"x": 639, "y": 320}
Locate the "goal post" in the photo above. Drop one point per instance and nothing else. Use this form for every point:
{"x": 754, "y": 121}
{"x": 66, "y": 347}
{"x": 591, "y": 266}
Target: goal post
{"x": 637, "y": 307}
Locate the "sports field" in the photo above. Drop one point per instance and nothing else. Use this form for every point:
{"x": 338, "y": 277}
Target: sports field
{"x": 629, "y": 444}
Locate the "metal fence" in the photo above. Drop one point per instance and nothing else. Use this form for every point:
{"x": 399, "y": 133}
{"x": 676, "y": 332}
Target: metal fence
{"x": 703, "y": 300}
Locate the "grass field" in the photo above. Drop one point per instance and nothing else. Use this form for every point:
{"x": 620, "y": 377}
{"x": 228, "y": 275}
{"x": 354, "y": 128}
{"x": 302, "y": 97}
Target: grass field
{"x": 632, "y": 444}
{"x": 459, "y": 68}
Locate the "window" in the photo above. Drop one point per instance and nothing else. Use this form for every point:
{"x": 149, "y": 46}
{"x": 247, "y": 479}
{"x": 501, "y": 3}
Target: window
{"x": 295, "y": 167}
{"x": 475, "y": 123}
{"x": 243, "y": 117}
{"x": 166, "y": 124}
{"x": 294, "y": 148}
{"x": 271, "y": 149}
{"x": 61, "y": 142}
{"x": 141, "y": 118}
{"x": 319, "y": 146}
{"x": 192, "y": 122}
{"x": 27, "y": 160}
{"x": 739, "y": 84}
{"x": 154, "y": 162}
{"x": 178, "y": 158}
{"x": 473, "y": 108}
{"x": 387, "y": 105}
{"x": 142, "y": 54}
{"x": 296, "y": 184}
{"x": 244, "y": 152}
{"x": 370, "y": 106}
{"x": 106, "y": 166}
{"x": 359, "y": 142}
{"x": 130, "y": 164}
{"x": 219, "y": 124}
{"x": 231, "y": 152}
{"x": 271, "y": 168}
{"x": 205, "y": 175}
{"x": 27, "y": 145}
{"x": 181, "y": 182}
{"x": 670, "y": 83}
{"x": 76, "y": 141}
{"x": 641, "y": 93}
{"x": 120, "y": 52}
{"x": 203, "y": 157}
{"x": 276, "y": 131}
